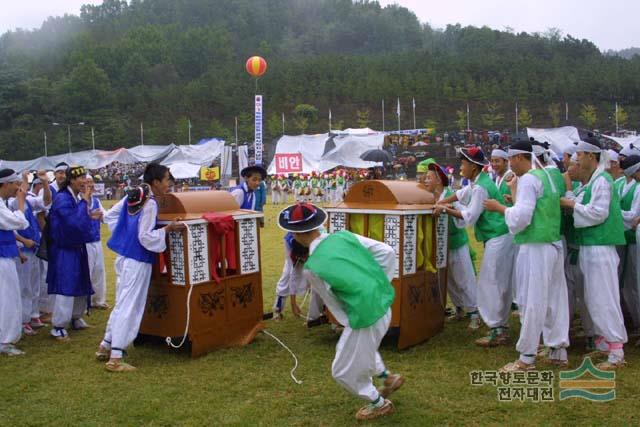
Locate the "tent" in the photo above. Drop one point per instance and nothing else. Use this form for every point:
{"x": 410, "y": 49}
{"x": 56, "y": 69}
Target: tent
{"x": 626, "y": 141}
{"x": 559, "y": 138}
{"x": 312, "y": 147}
{"x": 202, "y": 155}
{"x": 348, "y": 149}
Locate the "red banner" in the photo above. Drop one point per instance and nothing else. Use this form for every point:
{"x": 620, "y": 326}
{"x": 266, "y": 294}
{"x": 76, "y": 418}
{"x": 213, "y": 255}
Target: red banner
{"x": 288, "y": 162}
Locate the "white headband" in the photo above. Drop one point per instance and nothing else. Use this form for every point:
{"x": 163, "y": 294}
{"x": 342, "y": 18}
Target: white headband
{"x": 574, "y": 157}
{"x": 16, "y": 177}
{"x": 631, "y": 170}
{"x": 500, "y": 154}
{"x": 613, "y": 156}
{"x": 515, "y": 152}
{"x": 61, "y": 168}
{"x": 586, "y": 147}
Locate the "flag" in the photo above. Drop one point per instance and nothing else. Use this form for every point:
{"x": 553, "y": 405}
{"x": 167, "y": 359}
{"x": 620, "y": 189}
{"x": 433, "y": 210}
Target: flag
{"x": 329, "y": 113}
{"x": 398, "y": 108}
{"x": 413, "y": 100}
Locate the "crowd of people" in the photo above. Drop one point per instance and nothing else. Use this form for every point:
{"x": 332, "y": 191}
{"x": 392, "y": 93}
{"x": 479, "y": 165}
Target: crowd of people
{"x": 559, "y": 240}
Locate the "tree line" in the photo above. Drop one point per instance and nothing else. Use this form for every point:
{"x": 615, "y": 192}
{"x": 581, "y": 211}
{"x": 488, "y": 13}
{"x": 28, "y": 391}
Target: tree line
{"x": 168, "y": 63}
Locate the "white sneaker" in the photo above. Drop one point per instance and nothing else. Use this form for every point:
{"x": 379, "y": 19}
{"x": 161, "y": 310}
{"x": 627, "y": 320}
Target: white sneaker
{"x": 474, "y": 323}
{"x": 79, "y": 324}
{"x": 60, "y": 334}
{"x": 10, "y": 350}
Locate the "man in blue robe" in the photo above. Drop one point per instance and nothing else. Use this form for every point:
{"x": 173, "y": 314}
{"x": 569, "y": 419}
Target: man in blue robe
{"x": 69, "y": 229}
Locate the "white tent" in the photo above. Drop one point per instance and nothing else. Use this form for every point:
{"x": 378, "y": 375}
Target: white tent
{"x": 559, "y": 138}
{"x": 625, "y": 142}
{"x": 202, "y": 155}
{"x": 348, "y": 149}
{"x": 311, "y": 147}
{"x": 183, "y": 170}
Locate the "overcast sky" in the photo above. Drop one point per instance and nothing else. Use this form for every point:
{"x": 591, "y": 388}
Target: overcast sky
{"x": 610, "y": 24}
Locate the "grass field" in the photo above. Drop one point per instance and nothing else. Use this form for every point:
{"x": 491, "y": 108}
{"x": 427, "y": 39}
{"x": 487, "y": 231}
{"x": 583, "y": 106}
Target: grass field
{"x": 62, "y": 384}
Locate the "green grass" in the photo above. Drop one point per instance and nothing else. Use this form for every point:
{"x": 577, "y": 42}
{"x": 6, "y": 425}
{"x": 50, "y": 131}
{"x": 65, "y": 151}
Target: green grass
{"x": 62, "y": 384}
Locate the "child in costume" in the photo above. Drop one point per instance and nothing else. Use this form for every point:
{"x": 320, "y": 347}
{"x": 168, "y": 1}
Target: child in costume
{"x": 245, "y": 193}
{"x": 136, "y": 241}
{"x": 10, "y": 301}
{"x": 351, "y": 274}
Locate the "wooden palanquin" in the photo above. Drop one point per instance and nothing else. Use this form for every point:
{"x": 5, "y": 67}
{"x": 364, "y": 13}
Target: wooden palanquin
{"x": 400, "y": 214}
{"x": 219, "y": 257}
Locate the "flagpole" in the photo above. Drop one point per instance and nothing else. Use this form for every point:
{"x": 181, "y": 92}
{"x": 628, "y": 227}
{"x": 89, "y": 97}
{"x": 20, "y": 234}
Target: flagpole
{"x": 398, "y": 113}
{"x": 468, "y": 118}
{"x": 382, "y": 114}
{"x": 516, "y": 119}
{"x": 566, "y": 111}
{"x": 45, "y": 144}
{"x": 283, "y": 123}
{"x": 189, "y": 131}
{"x": 617, "y": 118}
{"x": 93, "y": 139}
{"x": 237, "y": 148}
{"x": 329, "y": 120}
{"x": 414, "y": 113}
{"x": 141, "y": 134}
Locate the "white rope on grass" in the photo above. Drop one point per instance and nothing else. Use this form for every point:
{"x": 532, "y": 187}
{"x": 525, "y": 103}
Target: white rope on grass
{"x": 186, "y": 326}
{"x": 295, "y": 359}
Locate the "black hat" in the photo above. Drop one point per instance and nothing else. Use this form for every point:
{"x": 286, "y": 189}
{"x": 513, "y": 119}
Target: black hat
{"x": 522, "y": 145}
{"x": 137, "y": 197}
{"x": 246, "y": 172}
{"x": 301, "y": 218}
{"x": 627, "y": 164}
{"x": 474, "y": 155}
{"x": 440, "y": 172}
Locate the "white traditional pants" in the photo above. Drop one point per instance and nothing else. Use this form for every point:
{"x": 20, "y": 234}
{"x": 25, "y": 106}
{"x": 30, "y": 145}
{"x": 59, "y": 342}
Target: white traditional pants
{"x": 10, "y": 302}
{"x": 599, "y": 264}
{"x": 495, "y": 281}
{"x": 47, "y": 301}
{"x": 29, "y": 275}
{"x": 575, "y": 289}
{"x": 131, "y": 297}
{"x": 543, "y": 291}
{"x": 358, "y": 360}
{"x": 97, "y": 272}
{"x": 67, "y": 308}
{"x": 630, "y": 284}
{"x": 461, "y": 279}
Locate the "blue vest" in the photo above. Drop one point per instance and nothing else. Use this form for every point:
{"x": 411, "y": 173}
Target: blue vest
{"x": 33, "y": 232}
{"x": 95, "y": 224}
{"x": 247, "y": 200}
{"x": 8, "y": 245}
{"x": 124, "y": 240}
{"x": 261, "y": 197}
{"x": 54, "y": 192}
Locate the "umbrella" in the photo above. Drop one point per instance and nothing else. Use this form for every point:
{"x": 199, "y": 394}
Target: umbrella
{"x": 376, "y": 155}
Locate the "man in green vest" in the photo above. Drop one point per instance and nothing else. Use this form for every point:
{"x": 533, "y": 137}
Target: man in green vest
{"x": 575, "y": 279}
{"x": 461, "y": 277}
{"x": 535, "y": 221}
{"x": 351, "y": 274}
{"x": 495, "y": 290}
{"x": 599, "y": 227}
{"x": 500, "y": 166}
{"x": 630, "y": 204}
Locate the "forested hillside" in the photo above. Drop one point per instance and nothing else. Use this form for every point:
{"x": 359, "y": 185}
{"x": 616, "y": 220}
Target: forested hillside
{"x": 165, "y": 62}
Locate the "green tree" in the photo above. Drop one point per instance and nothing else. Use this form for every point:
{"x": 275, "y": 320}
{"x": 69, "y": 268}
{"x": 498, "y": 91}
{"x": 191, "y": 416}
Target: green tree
{"x": 493, "y": 117}
{"x": 362, "y": 118}
{"x": 273, "y": 126}
{"x": 432, "y": 124}
{"x": 461, "y": 120}
{"x": 623, "y": 117}
{"x": 588, "y": 115}
{"x": 524, "y": 117}
{"x": 88, "y": 88}
{"x": 305, "y": 115}
{"x": 554, "y": 114}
